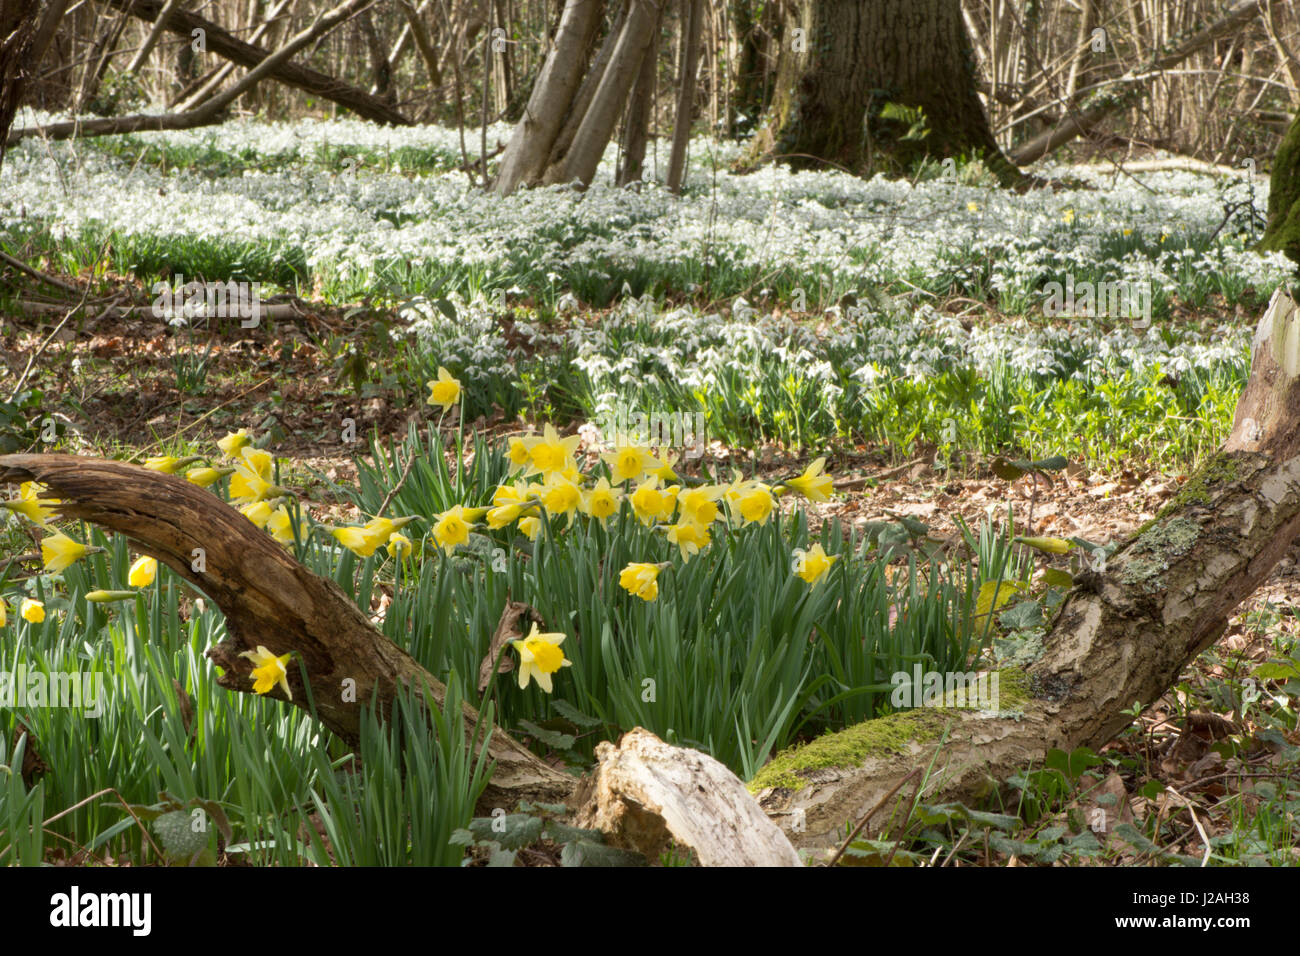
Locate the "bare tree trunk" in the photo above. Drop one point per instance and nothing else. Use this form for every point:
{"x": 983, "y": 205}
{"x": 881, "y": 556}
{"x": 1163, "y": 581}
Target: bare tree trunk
{"x": 877, "y": 86}
{"x": 525, "y": 157}
{"x": 579, "y": 161}
{"x": 189, "y": 100}
{"x": 26, "y": 32}
{"x": 637, "y": 122}
{"x": 685, "y": 92}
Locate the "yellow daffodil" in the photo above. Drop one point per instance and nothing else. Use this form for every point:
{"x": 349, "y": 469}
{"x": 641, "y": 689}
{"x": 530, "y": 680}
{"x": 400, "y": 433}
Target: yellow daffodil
{"x": 665, "y": 471}
{"x": 269, "y": 670}
{"x": 640, "y": 579}
{"x": 444, "y": 390}
{"x": 601, "y": 501}
{"x": 450, "y": 529}
{"x": 31, "y": 505}
{"x": 32, "y": 611}
{"x": 1068, "y": 216}
{"x": 258, "y": 512}
{"x": 3, "y": 617}
{"x": 812, "y": 484}
{"x": 700, "y": 504}
{"x": 58, "y": 551}
{"x": 280, "y": 524}
{"x": 363, "y": 540}
{"x": 251, "y": 481}
{"x": 812, "y": 565}
{"x": 755, "y": 503}
{"x": 234, "y": 443}
{"x": 169, "y": 464}
{"x": 973, "y": 206}
{"x": 519, "y": 458}
{"x": 530, "y": 525}
{"x": 142, "y": 572}
{"x": 561, "y": 496}
{"x": 399, "y": 545}
{"x": 205, "y": 477}
{"x": 630, "y": 463}
{"x": 689, "y": 537}
{"x": 551, "y": 453}
{"x": 540, "y": 657}
{"x": 650, "y": 503}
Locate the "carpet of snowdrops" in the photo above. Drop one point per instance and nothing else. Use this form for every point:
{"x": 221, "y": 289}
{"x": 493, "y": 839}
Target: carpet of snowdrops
{"x": 814, "y": 310}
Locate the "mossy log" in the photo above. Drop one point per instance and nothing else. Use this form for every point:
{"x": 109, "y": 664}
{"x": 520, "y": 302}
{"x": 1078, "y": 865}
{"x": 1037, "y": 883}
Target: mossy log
{"x": 1161, "y": 599}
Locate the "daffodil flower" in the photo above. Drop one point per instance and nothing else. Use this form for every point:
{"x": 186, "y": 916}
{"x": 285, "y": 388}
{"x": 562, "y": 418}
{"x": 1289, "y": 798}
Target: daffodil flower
{"x": 142, "y": 572}
{"x": 812, "y": 484}
{"x": 170, "y": 464}
{"x": 451, "y": 529}
{"x": 551, "y": 453}
{"x": 204, "y": 477}
{"x": 399, "y": 545}
{"x": 700, "y": 504}
{"x": 601, "y": 501}
{"x": 630, "y": 463}
{"x": 444, "y": 390}
{"x": 58, "y": 551}
{"x": 234, "y": 443}
{"x": 269, "y": 670}
{"x": 812, "y": 565}
{"x": 32, "y": 611}
{"x": 363, "y": 540}
{"x": 561, "y": 496}
{"x": 30, "y": 505}
{"x": 280, "y": 524}
{"x": 640, "y": 579}
{"x": 689, "y": 537}
{"x": 540, "y": 657}
{"x": 650, "y": 503}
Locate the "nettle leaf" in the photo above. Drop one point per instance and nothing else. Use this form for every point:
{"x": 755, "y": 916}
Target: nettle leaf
{"x": 1023, "y": 616}
{"x": 512, "y": 831}
{"x": 461, "y": 837}
{"x": 1277, "y": 670}
{"x": 573, "y": 714}
{"x": 180, "y": 841}
{"x": 998, "y": 821}
{"x": 553, "y": 739}
{"x": 1073, "y": 764}
{"x": 501, "y": 857}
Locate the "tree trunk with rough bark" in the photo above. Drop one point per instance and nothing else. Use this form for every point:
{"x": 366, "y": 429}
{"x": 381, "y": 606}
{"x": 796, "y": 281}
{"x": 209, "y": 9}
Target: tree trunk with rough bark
{"x": 853, "y": 73}
{"x": 535, "y": 134}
